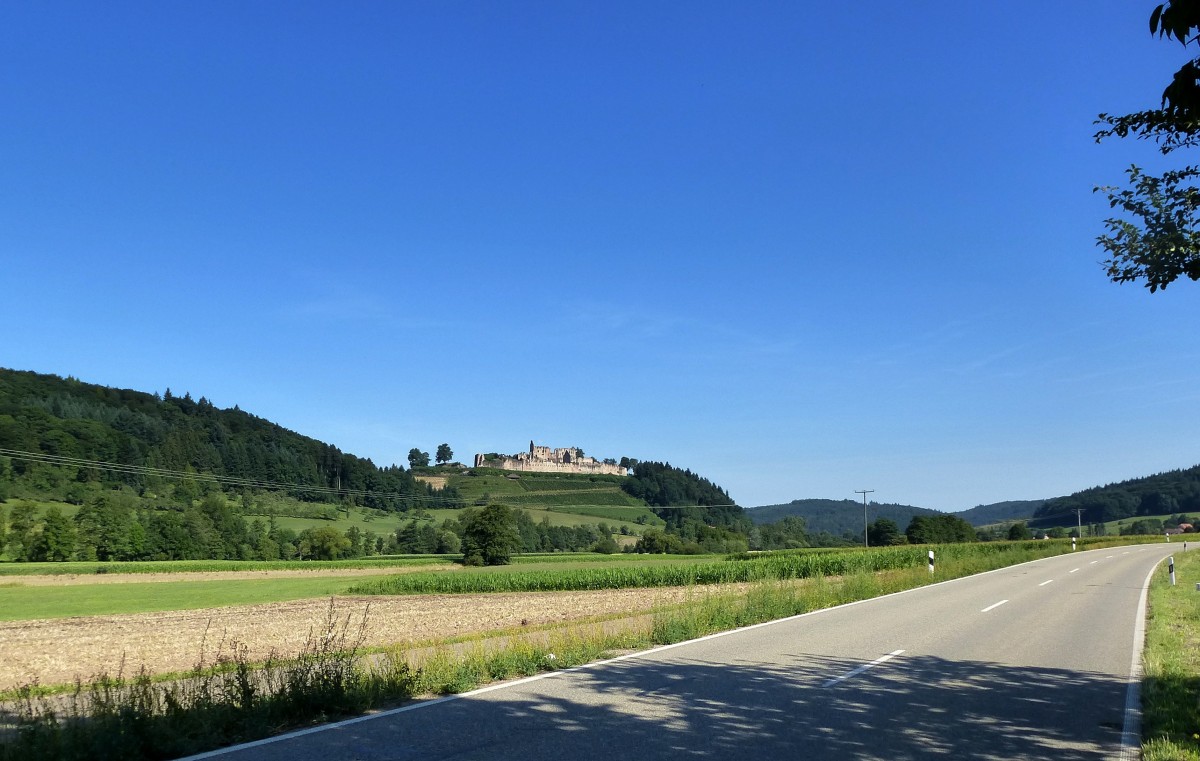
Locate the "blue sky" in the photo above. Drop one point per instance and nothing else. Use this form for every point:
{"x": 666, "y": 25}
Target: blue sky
{"x": 800, "y": 248}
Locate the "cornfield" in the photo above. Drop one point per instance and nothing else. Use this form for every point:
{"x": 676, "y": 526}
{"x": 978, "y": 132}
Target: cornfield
{"x": 774, "y": 566}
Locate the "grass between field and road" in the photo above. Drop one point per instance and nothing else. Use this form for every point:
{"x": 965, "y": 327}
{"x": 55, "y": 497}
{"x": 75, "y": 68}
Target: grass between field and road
{"x": 229, "y": 699}
{"x": 1171, "y": 663}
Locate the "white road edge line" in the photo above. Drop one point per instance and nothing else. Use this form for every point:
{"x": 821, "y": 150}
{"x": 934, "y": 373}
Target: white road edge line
{"x": 587, "y": 666}
{"x": 1131, "y": 734}
{"x": 993, "y": 606}
{"x": 862, "y": 668}
{"x": 1044, "y": 583}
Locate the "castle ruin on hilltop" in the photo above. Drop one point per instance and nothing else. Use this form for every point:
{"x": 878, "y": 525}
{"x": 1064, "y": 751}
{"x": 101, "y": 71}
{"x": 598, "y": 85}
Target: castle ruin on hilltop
{"x": 546, "y": 460}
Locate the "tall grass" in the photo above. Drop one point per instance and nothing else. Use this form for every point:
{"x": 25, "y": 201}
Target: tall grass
{"x": 225, "y": 699}
{"x": 448, "y": 671}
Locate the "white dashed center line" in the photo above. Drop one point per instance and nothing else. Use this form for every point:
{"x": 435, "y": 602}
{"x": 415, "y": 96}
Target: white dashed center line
{"x": 863, "y": 668}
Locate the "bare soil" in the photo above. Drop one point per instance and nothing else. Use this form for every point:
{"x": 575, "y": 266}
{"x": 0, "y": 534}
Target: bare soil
{"x": 57, "y": 651}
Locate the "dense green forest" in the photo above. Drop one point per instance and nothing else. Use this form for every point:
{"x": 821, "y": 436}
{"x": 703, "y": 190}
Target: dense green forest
{"x": 1177, "y": 491}
{"x": 999, "y": 512}
{"x": 64, "y": 421}
{"x": 695, "y": 509}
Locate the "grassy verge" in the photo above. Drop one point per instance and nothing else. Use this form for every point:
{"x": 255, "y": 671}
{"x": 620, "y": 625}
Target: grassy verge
{"x": 1171, "y": 682}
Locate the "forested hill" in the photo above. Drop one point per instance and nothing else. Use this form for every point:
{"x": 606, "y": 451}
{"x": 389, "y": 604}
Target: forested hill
{"x": 680, "y": 497}
{"x": 56, "y": 418}
{"x": 841, "y": 516}
{"x": 836, "y": 517}
{"x": 1177, "y": 491}
{"x": 998, "y": 512}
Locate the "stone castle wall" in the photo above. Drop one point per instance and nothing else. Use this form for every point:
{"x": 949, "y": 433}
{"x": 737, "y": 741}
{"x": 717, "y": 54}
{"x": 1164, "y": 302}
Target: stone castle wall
{"x": 541, "y": 459}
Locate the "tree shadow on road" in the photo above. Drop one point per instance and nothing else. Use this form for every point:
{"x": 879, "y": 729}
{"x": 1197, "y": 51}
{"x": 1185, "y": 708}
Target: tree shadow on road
{"x": 908, "y": 708}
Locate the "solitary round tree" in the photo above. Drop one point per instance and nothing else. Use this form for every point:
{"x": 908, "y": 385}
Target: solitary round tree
{"x": 1019, "y": 531}
{"x": 490, "y": 536}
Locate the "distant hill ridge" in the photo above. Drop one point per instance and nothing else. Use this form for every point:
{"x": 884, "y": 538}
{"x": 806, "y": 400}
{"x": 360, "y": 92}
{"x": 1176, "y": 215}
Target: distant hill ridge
{"x": 846, "y": 515}
{"x": 998, "y": 512}
{"x": 1168, "y": 493}
{"x": 1172, "y": 492}
{"x": 836, "y": 516}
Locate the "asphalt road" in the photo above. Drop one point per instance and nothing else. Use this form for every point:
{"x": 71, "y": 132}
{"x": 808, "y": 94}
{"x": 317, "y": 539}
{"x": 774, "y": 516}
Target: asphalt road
{"x": 1029, "y": 662}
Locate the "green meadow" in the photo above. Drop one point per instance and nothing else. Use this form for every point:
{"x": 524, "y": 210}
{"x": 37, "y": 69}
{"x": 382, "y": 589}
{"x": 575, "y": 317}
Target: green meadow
{"x": 19, "y": 603}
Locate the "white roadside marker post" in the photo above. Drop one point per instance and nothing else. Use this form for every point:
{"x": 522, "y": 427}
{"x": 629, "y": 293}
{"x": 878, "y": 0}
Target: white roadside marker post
{"x": 1171, "y": 568}
{"x": 931, "y": 561}
{"x": 1072, "y": 544}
